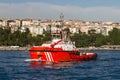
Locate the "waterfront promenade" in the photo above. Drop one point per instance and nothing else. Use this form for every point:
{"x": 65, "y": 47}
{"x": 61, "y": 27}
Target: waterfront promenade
{"x": 106, "y": 47}
{"x": 13, "y": 48}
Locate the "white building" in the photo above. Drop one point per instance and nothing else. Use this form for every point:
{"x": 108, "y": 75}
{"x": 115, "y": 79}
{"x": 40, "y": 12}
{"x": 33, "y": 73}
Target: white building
{"x": 35, "y": 23}
{"x": 74, "y": 30}
{"x": 84, "y": 29}
{"x": 26, "y": 22}
{"x": 36, "y": 30}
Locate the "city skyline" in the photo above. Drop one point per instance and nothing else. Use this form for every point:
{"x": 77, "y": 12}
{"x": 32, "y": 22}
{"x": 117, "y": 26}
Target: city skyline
{"x": 91, "y": 10}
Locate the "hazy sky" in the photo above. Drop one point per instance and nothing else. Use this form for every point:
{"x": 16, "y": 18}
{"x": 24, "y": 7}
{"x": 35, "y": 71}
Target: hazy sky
{"x": 93, "y": 10}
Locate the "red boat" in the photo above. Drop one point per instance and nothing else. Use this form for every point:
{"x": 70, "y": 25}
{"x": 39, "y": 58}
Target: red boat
{"x": 59, "y": 50}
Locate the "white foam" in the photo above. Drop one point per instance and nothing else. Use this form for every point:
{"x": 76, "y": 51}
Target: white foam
{"x": 29, "y": 60}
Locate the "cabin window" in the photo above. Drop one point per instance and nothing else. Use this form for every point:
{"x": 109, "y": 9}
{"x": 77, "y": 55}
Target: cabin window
{"x": 56, "y": 36}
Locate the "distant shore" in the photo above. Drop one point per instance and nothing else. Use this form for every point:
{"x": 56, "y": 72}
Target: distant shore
{"x": 98, "y": 48}
{"x": 14, "y": 48}
{"x": 87, "y": 48}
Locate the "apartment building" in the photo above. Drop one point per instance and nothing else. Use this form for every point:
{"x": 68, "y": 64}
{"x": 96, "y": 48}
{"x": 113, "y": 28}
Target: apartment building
{"x": 38, "y": 26}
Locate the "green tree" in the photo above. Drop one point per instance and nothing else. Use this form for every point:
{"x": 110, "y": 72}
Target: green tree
{"x": 114, "y": 36}
{"x": 101, "y": 40}
{"x": 81, "y": 39}
{"x": 47, "y": 36}
{"x": 37, "y": 40}
{"x": 5, "y": 35}
{"x": 1, "y": 36}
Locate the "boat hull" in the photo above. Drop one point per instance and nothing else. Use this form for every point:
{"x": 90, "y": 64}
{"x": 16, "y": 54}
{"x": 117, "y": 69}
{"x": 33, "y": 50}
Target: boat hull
{"x": 59, "y": 55}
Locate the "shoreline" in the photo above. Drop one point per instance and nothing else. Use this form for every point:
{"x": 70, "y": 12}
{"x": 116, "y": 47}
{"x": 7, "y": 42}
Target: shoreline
{"x": 15, "y": 48}
{"x": 98, "y": 49}
{"x": 87, "y": 48}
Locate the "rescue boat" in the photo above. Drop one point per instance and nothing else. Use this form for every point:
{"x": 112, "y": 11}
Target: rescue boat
{"x": 59, "y": 50}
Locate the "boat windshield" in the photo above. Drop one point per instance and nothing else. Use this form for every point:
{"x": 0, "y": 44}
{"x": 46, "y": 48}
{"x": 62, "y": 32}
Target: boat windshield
{"x": 56, "y": 36}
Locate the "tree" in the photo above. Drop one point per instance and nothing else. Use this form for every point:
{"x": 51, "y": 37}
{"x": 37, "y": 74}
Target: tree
{"x": 1, "y": 36}
{"x": 101, "y": 40}
{"x": 81, "y": 39}
{"x": 114, "y": 36}
{"x": 47, "y": 36}
{"x": 5, "y": 35}
{"x": 37, "y": 40}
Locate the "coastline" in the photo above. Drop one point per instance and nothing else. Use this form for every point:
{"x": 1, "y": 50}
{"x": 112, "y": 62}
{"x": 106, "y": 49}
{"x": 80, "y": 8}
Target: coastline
{"x": 86, "y": 48}
{"x": 15, "y": 48}
{"x": 98, "y": 48}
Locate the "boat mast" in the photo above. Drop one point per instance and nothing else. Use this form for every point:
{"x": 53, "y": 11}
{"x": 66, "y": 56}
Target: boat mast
{"x": 64, "y": 33}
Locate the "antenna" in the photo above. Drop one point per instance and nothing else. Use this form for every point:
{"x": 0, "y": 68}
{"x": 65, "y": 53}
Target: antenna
{"x": 61, "y": 20}
{"x": 61, "y": 16}
{"x": 63, "y": 32}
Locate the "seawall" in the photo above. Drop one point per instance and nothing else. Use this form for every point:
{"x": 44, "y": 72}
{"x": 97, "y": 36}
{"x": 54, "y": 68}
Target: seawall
{"x": 86, "y": 48}
{"x": 15, "y": 48}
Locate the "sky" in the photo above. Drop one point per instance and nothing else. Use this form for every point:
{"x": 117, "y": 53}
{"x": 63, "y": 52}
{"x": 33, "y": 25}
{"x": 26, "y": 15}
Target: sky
{"x": 91, "y": 10}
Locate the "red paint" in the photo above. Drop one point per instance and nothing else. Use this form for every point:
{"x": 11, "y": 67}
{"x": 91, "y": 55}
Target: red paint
{"x": 59, "y": 55}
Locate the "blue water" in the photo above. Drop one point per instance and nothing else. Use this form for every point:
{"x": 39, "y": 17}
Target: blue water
{"x": 14, "y": 67}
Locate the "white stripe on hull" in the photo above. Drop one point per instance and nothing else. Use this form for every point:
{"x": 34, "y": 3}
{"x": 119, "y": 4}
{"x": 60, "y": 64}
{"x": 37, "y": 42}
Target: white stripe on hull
{"x": 49, "y": 56}
{"x": 46, "y": 56}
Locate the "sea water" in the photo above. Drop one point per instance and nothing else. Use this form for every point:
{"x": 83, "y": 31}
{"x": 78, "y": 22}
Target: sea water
{"x": 14, "y": 66}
